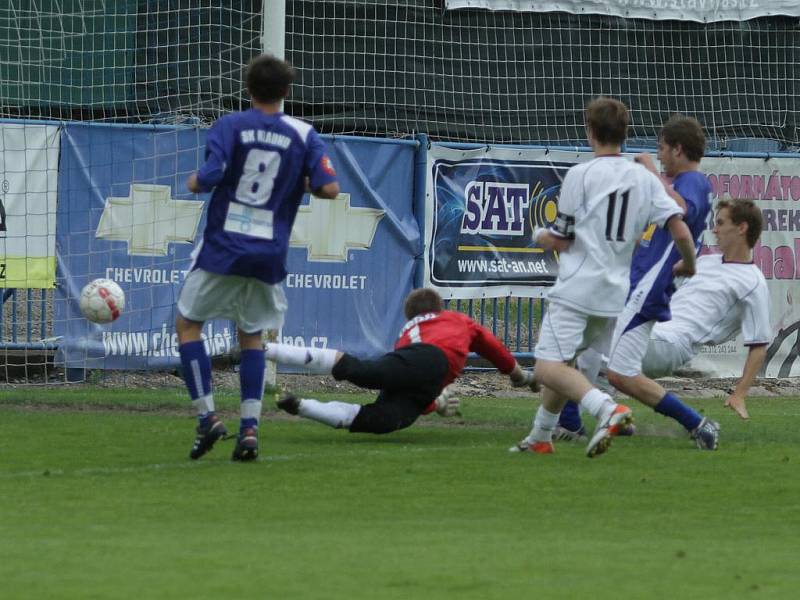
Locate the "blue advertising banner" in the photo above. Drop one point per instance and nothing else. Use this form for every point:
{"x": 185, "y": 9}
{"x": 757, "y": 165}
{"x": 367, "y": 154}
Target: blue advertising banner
{"x": 482, "y": 206}
{"x": 124, "y": 213}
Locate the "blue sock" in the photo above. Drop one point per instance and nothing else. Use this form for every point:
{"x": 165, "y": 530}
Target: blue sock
{"x": 570, "y": 416}
{"x": 196, "y": 373}
{"x": 251, "y": 381}
{"x": 671, "y": 406}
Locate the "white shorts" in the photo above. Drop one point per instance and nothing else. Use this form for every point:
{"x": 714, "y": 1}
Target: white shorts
{"x": 664, "y": 356}
{"x": 629, "y": 343}
{"x": 254, "y": 305}
{"x": 566, "y": 332}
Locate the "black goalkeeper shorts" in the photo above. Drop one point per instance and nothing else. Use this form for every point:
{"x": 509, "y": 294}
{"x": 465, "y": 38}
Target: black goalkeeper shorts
{"x": 409, "y": 379}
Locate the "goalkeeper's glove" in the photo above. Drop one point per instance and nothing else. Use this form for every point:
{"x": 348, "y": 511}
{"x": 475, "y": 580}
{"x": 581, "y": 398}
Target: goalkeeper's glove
{"x": 448, "y": 404}
{"x": 526, "y": 380}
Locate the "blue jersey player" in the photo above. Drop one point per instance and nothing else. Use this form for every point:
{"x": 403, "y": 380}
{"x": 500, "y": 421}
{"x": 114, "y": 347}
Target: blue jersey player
{"x": 259, "y": 163}
{"x": 680, "y": 149}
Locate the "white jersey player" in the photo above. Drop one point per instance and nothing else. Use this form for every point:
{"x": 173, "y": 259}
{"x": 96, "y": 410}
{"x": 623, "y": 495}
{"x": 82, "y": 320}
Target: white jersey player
{"x": 604, "y": 207}
{"x": 728, "y": 295}
{"x": 723, "y": 299}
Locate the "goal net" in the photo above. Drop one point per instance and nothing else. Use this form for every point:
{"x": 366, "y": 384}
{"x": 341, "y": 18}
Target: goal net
{"x": 386, "y": 68}
{"x": 393, "y": 67}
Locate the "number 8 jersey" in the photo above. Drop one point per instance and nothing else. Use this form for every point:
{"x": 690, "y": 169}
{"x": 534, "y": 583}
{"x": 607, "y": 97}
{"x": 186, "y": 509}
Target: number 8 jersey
{"x": 256, "y": 164}
{"x": 604, "y": 206}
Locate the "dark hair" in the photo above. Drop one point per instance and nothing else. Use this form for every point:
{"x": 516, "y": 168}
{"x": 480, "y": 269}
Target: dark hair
{"x": 742, "y": 210}
{"x": 421, "y": 301}
{"x": 686, "y": 131}
{"x": 268, "y": 78}
{"x": 607, "y": 119}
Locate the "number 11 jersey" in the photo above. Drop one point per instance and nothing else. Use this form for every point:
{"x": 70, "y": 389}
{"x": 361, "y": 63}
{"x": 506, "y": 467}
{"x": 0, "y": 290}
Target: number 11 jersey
{"x": 256, "y": 164}
{"x": 604, "y": 206}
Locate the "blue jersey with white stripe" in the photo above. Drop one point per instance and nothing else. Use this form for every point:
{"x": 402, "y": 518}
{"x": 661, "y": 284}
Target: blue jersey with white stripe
{"x": 651, "y": 267}
{"x": 256, "y": 164}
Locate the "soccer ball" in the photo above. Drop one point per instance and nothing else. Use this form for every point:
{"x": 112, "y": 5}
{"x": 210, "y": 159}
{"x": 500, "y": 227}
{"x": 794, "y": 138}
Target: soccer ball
{"x": 102, "y": 301}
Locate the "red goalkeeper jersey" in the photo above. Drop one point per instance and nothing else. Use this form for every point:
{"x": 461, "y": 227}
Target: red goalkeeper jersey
{"x": 456, "y": 335}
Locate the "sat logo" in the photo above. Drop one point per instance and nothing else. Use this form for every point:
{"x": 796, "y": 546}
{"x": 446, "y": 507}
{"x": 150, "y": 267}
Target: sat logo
{"x": 149, "y": 219}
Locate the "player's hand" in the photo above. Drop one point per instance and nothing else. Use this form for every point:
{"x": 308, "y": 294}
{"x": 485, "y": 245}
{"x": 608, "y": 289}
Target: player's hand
{"x": 737, "y": 405}
{"x": 679, "y": 269}
{"x": 646, "y": 160}
{"x": 192, "y": 184}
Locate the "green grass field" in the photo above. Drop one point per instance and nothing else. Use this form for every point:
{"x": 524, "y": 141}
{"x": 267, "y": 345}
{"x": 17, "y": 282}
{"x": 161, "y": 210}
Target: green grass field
{"x": 99, "y": 500}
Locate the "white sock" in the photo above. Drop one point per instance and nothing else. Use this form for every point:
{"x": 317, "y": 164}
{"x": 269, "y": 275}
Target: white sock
{"x": 335, "y": 414}
{"x": 543, "y": 425}
{"x": 317, "y": 360}
{"x": 204, "y": 404}
{"x": 250, "y": 409}
{"x": 597, "y": 403}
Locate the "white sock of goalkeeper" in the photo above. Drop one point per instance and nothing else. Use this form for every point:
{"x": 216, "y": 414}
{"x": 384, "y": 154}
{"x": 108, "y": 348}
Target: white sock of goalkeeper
{"x": 597, "y": 403}
{"x": 336, "y": 414}
{"x": 317, "y": 360}
{"x": 543, "y": 424}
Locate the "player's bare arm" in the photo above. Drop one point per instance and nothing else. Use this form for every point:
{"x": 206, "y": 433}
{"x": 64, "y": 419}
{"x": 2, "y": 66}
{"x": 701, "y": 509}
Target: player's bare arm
{"x": 684, "y": 242}
{"x": 736, "y": 401}
{"x": 646, "y": 160}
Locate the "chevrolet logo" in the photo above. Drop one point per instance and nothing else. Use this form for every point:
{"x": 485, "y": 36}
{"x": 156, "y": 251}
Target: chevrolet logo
{"x": 149, "y": 219}
{"x": 329, "y": 228}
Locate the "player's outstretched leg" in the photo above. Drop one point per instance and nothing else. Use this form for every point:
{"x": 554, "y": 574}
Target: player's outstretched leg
{"x": 706, "y": 435}
{"x": 315, "y": 360}
{"x": 703, "y": 431}
{"x": 334, "y": 414}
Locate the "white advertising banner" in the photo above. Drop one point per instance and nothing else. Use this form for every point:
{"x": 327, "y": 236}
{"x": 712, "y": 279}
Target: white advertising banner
{"x": 28, "y": 194}
{"x": 774, "y": 184}
{"x": 704, "y": 11}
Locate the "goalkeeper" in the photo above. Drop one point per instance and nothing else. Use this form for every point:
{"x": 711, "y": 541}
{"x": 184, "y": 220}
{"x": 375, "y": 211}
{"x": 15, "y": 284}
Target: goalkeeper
{"x": 429, "y": 354}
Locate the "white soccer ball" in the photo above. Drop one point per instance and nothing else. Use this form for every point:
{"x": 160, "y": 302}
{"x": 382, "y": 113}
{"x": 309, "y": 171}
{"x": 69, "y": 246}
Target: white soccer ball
{"x": 102, "y": 301}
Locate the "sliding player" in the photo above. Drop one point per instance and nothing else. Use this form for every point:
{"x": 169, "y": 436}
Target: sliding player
{"x": 429, "y": 354}
{"x": 727, "y": 296}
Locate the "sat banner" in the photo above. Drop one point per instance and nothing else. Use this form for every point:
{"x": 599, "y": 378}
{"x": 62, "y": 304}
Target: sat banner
{"x": 127, "y": 216}
{"x": 28, "y": 195}
{"x": 480, "y": 211}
